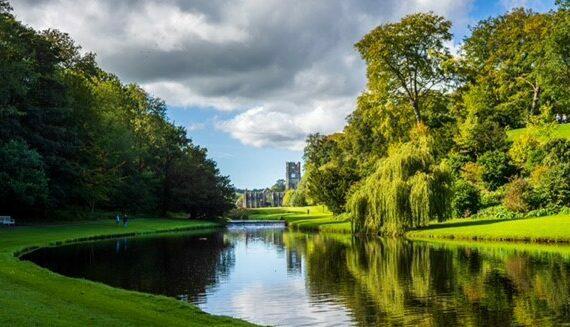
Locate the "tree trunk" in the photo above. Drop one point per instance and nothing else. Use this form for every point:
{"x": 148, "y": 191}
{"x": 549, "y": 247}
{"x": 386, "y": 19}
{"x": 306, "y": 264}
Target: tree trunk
{"x": 535, "y": 97}
{"x": 416, "y": 107}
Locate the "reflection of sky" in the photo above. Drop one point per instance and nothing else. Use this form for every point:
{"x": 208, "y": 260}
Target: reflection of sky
{"x": 261, "y": 290}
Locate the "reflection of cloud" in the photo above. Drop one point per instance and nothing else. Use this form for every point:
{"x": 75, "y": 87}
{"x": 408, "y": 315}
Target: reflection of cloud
{"x": 265, "y": 305}
{"x": 294, "y": 59}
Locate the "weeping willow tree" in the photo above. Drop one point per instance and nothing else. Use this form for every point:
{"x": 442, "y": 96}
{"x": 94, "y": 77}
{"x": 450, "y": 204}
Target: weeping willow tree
{"x": 406, "y": 190}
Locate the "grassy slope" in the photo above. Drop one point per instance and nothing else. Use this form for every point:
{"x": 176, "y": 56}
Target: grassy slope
{"x": 318, "y": 218}
{"x": 562, "y": 131}
{"x": 544, "y": 229}
{"x": 30, "y": 295}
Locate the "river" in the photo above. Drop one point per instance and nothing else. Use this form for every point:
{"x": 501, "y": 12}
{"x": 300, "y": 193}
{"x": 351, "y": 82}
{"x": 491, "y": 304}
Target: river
{"x": 273, "y": 276}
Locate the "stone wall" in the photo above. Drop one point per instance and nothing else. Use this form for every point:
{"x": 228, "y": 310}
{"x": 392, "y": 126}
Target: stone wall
{"x": 266, "y": 198}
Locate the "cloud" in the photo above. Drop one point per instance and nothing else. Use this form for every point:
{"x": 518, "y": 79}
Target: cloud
{"x": 196, "y": 126}
{"x": 284, "y": 68}
{"x": 539, "y": 5}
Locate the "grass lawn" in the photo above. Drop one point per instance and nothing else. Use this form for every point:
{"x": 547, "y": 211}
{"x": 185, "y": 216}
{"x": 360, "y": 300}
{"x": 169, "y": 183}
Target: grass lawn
{"x": 562, "y": 131}
{"x": 318, "y": 218}
{"x": 543, "y": 229}
{"x": 32, "y": 296}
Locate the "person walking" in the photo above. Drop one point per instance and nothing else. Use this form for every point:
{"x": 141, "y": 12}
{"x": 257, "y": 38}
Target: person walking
{"x": 125, "y": 220}
{"x": 117, "y": 219}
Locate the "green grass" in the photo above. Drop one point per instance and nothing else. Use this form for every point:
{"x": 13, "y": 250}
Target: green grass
{"x": 318, "y": 218}
{"x": 544, "y": 229}
{"x": 31, "y": 296}
{"x": 561, "y": 131}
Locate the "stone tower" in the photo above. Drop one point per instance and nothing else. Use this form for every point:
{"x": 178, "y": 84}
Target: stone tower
{"x": 292, "y": 175}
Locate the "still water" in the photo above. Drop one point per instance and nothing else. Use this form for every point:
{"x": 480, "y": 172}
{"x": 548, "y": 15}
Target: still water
{"x": 273, "y": 276}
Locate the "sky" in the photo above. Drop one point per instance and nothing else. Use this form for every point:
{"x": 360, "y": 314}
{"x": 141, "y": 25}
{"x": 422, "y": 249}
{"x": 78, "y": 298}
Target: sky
{"x": 248, "y": 79}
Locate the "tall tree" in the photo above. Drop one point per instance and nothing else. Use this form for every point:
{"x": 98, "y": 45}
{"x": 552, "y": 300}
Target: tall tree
{"x": 408, "y": 59}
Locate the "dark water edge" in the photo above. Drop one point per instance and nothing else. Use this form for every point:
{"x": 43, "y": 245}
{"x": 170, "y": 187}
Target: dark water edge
{"x": 275, "y": 276}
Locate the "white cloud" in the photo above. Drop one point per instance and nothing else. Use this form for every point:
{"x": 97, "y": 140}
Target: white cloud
{"x": 196, "y": 126}
{"x": 539, "y": 5}
{"x": 286, "y": 68}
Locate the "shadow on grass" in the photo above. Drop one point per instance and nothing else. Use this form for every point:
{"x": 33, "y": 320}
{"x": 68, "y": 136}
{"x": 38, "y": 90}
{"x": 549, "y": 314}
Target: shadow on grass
{"x": 463, "y": 224}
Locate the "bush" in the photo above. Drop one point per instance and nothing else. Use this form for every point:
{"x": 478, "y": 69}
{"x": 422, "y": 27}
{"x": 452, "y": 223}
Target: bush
{"x": 456, "y": 161}
{"x": 472, "y": 173}
{"x": 552, "y": 185}
{"x": 497, "y": 168}
{"x": 526, "y": 151}
{"x": 518, "y": 196}
{"x": 497, "y": 212}
{"x": 466, "y": 198}
{"x": 492, "y": 198}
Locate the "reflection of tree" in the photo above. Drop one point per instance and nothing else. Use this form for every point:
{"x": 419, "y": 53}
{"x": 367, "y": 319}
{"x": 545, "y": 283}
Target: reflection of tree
{"x": 391, "y": 281}
{"x": 174, "y": 265}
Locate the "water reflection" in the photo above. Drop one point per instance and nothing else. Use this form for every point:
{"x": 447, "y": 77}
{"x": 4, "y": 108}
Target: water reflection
{"x": 277, "y": 277}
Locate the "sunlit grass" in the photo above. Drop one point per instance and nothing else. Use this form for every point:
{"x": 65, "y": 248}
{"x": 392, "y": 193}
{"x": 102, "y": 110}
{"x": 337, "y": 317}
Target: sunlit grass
{"x": 32, "y": 296}
{"x": 561, "y": 131}
{"x": 544, "y": 229}
{"x": 312, "y": 218}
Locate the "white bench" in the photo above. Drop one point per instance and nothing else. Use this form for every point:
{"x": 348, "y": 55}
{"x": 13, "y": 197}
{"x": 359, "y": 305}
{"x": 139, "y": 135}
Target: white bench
{"x": 7, "y": 221}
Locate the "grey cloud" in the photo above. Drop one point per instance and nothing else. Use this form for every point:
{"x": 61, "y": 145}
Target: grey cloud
{"x": 290, "y": 58}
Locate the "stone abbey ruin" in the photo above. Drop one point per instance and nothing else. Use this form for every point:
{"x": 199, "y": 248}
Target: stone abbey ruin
{"x": 269, "y": 198}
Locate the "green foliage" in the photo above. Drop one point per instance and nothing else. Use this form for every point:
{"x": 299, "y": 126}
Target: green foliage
{"x": 518, "y": 196}
{"x": 478, "y": 135}
{"x": 91, "y": 141}
{"x": 407, "y": 190}
{"x": 408, "y": 59}
{"x": 330, "y": 183}
{"x": 506, "y": 59}
{"x": 279, "y": 186}
{"x": 497, "y": 168}
{"x": 466, "y": 198}
{"x": 23, "y": 182}
{"x": 294, "y": 198}
{"x": 328, "y": 173}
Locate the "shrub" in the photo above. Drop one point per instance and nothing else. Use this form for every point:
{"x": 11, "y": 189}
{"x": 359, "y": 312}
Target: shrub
{"x": 492, "y": 198}
{"x": 295, "y": 198}
{"x": 472, "y": 173}
{"x": 518, "y": 195}
{"x": 466, "y": 198}
{"x": 456, "y": 161}
{"x": 552, "y": 185}
{"x": 557, "y": 152}
{"x": 497, "y": 168}
{"x": 526, "y": 152}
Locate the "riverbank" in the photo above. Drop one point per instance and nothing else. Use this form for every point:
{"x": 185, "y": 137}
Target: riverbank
{"x": 30, "y": 295}
{"x": 313, "y": 218}
{"x": 548, "y": 229}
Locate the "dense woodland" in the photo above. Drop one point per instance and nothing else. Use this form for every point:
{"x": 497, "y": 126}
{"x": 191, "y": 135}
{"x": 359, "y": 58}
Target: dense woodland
{"x": 428, "y": 138}
{"x": 75, "y": 139}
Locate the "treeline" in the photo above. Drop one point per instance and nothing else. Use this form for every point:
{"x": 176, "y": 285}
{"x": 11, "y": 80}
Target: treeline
{"x": 428, "y": 137}
{"x": 72, "y": 136}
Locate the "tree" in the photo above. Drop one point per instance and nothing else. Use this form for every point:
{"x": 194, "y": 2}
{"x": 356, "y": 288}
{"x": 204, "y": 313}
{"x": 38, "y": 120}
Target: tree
{"x": 328, "y": 173}
{"x": 87, "y": 141}
{"x": 408, "y": 58}
{"x": 279, "y": 186}
{"x": 407, "y": 190}
{"x": 23, "y": 182}
{"x": 506, "y": 56}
